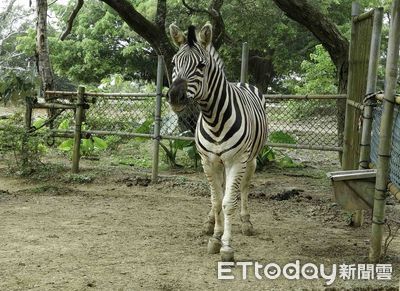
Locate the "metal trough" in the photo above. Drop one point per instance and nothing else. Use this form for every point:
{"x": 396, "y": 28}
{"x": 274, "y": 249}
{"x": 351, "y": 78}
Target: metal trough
{"x": 354, "y": 190}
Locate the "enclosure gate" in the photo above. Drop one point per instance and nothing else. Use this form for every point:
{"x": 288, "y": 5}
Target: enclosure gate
{"x": 363, "y": 105}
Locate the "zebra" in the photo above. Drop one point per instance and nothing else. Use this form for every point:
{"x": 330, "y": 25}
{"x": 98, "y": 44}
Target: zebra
{"x": 231, "y": 130}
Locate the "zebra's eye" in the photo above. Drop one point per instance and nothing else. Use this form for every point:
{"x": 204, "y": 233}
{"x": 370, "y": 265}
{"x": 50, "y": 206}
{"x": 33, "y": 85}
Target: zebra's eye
{"x": 201, "y": 65}
{"x": 173, "y": 63}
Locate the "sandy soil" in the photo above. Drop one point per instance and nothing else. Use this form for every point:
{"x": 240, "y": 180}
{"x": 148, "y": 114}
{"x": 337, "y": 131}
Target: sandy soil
{"x": 114, "y": 233}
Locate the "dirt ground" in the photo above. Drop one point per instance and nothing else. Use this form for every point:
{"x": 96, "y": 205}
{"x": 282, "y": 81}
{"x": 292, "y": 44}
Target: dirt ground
{"x": 108, "y": 229}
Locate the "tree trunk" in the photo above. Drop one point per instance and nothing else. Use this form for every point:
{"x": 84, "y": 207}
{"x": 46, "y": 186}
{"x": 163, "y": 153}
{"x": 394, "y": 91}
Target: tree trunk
{"x": 330, "y": 37}
{"x": 42, "y": 48}
{"x": 153, "y": 33}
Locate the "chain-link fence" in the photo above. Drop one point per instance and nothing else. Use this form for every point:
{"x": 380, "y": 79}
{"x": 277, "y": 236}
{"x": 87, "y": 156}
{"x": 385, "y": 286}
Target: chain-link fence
{"x": 394, "y": 175}
{"x": 114, "y": 113}
{"x": 293, "y": 121}
{"x": 303, "y": 121}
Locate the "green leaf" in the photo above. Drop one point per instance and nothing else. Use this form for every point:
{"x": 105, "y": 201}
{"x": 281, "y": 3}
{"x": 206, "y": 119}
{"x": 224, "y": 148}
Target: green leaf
{"x": 181, "y": 144}
{"x": 66, "y": 145}
{"x": 87, "y": 146}
{"x": 145, "y": 127}
{"x": 99, "y": 143}
{"x": 64, "y": 124}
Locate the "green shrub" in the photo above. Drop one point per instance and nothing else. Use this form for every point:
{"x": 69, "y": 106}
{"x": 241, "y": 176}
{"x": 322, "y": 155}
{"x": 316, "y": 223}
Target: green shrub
{"x": 21, "y": 150}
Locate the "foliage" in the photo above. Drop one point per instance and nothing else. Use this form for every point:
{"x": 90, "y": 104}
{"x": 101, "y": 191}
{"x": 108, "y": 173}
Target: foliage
{"x": 265, "y": 157}
{"x": 268, "y": 155}
{"x": 100, "y": 43}
{"x": 89, "y": 147}
{"x": 22, "y": 151}
{"x": 174, "y": 146}
{"x": 16, "y": 68}
{"x": 317, "y": 75}
{"x": 281, "y": 137}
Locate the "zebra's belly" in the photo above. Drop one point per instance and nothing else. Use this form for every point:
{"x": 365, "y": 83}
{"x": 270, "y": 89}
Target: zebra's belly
{"x": 225, "y": 152}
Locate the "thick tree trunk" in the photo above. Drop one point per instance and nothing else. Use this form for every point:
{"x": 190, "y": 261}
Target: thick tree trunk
{"x": 330, "y": 37}
{"x": 42, "y": 49}
{"x": 153, "y": 33}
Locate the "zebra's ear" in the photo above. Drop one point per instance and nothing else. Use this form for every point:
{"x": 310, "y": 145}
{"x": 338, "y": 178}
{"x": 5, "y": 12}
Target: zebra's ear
{"x": 205, "y": 34}
{"x": 177, "y": 35}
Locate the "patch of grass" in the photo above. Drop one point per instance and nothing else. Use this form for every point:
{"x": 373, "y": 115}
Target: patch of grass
{"x": 79, "y": 178}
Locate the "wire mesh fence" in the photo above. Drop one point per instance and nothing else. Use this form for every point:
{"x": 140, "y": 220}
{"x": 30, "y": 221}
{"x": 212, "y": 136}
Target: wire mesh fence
{"x": 130, "y": 113}
{"x": 303, "y": 121}
{"x": 293, "y": 121}
{"x": 394, "y": 175}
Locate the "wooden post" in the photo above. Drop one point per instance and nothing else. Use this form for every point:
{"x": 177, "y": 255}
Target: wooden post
{"x": 348, "y": 126}
{"x": 76, "y": 154}
{"x": 359, "y": 54}
{"x": 385, "y": 139}
{"x": 245, "y": 64}
{"x": 157, "y": 120}
{"x": 28, "y": 113}
{"x": 365, "y": 144}
{"x": 28, "y": 125}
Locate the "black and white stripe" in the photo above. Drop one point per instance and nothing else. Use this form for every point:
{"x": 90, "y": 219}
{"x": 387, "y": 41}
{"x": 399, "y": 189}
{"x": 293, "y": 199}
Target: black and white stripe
{"x": 231, "y": 131}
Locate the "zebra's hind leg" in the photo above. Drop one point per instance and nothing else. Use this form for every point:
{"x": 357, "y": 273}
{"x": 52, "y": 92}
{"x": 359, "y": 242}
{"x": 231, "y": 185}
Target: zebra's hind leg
{"x": 247, "y": 227}
{"x": 215, "y": 175}
{"x": 209, "y": 223}
{"x": 234, "y": 176}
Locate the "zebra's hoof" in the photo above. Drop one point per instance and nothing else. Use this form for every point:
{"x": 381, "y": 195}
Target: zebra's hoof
{"x": 227, "y": 254}
{"x": 209, "y": 227}
{"x": 214, "y": 245}
{"x": 247, "y": 228}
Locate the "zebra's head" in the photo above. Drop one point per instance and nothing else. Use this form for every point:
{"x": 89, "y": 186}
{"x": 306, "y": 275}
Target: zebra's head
{"x": 190, "y": 65}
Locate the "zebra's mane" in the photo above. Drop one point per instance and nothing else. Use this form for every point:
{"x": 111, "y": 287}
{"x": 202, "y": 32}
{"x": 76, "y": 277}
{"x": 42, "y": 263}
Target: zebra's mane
{"x": 191, "y": 39}
{"x": 218, "y": 61}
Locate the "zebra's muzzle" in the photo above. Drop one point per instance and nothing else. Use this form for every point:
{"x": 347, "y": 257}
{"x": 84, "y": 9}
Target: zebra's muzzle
{"x": 177, "y": 95}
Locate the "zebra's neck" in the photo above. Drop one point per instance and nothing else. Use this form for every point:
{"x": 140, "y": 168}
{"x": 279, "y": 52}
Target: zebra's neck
{"x": 214, "y": 105}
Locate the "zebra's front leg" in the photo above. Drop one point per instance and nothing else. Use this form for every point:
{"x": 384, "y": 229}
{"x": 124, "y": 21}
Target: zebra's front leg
{"x": 234, "y": 176}
{"x": 247, "y": 227}
{"x": 215, "y": 174}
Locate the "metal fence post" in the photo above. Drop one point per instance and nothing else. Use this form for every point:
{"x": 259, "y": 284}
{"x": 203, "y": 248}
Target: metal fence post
{"x": 76, "y": 154}
{"x": 245, "y": 63}
{"x": 157, "y": 119}
{"x": 385, "y": 139}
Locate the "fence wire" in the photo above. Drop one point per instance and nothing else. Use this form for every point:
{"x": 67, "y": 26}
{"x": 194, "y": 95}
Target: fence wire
{"x": 394, "y": 175}
{"x": 309, "y": 122}
{"x": 303, "y": 122}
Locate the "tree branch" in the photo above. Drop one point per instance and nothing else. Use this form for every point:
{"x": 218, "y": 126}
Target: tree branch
{"x": 153, "y": 33}
{"x": 217, "y": 22}
{"x": 213, "y": 11}
{"x": 140, "y": 24}
{"x": 71, "y": 19}
{"x": 161, "y": 14}
{"x": 4, "y": 14}
{"x": 319, "y": 25}
{"x": 194, "y": 10}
